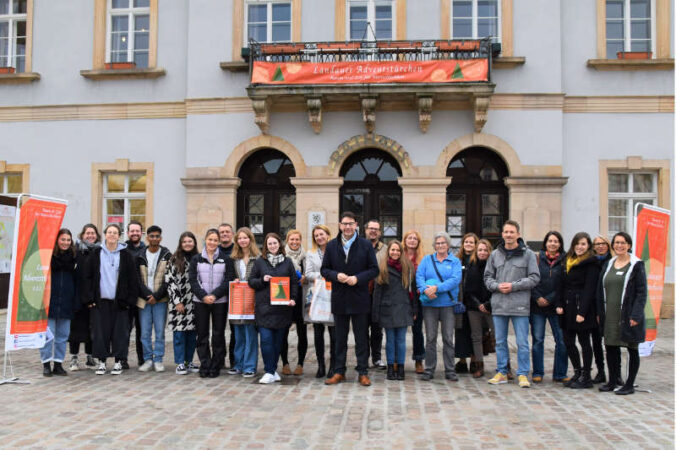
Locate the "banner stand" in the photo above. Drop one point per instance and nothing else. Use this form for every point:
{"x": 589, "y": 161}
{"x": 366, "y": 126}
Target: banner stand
{"x": 13, "y": 379}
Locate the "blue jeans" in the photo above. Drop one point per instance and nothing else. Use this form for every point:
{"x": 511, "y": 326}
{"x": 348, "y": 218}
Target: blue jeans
{"x": 395, "y": 346}
{"x": 246, "y": 347}
{"x": 185, "y": 343}
{"x": 538, "y": 322}
{"x": 520, "y": 324}
{"x": 153, "y": 316}
{"x": 271, "y": 347}
{"x": 55, "y": 349}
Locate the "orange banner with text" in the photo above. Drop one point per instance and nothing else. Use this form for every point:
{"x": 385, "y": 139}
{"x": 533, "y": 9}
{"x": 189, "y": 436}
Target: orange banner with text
{"x": 368, "y": 72}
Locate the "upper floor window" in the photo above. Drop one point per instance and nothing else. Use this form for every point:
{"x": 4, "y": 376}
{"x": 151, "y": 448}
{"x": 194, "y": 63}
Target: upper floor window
{"x": 629, "y": 26}
{"x": 625, "y": 190}
{"x": 370, "y": 20}
{"x": 268, "y": 21}
{"x": 476, "y": 19}
{"x": 13, "y": 34}
{"x": 128, "y": 27}
{"x": 124, "y": 198}
{"x": 11, "y": 184}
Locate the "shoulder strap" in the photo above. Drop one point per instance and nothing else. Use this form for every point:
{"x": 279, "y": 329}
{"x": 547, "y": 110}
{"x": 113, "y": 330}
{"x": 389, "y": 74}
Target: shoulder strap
{"x": 434, "y": 264}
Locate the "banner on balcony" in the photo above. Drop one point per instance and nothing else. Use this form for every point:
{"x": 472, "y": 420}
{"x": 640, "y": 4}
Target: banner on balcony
{"x": 651, "y": 236}
{"x": 37, "y": 224}
{"x": 369, "y": 72}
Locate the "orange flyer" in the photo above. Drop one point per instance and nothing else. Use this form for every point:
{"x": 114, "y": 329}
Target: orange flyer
{"x": 280, "y": 291}
{"x": 241, "y": 301}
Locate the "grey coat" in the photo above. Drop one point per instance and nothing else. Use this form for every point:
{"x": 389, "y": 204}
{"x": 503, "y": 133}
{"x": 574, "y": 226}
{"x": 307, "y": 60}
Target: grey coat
{"x": 392, "y": 305}
{"x": 521, "y": 269}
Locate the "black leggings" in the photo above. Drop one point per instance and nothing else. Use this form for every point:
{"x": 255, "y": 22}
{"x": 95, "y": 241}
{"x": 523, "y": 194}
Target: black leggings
{"x": 584, "y": 336}
{"x": 319, "y": 343}
{"x": 75, "y": 347}
{"x": 597, "y": 345}
{"x": 615, "y": 362}
{"x": 301, "y": 329}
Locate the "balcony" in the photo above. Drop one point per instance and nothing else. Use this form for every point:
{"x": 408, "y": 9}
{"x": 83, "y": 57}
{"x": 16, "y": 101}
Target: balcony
{"x": 366, "y": 76}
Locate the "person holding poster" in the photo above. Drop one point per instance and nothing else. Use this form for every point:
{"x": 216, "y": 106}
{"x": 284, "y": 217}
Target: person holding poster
{"x": 621, "y": 297}
{"x": 113, "y": 290}
{"x": 321, "y": 235}
{"x": 244, "y": 254}
{"x": 295, "y": 252}
{"x": 181, "y": 315}
{"x": 273, "y": 317}
{"x": 62, "y": 303}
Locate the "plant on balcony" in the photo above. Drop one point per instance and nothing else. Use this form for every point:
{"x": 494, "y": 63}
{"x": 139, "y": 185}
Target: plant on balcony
{"x": 7, "y": 70}
{"x": 120, "y": 65}
{"x": 634, "y": 55}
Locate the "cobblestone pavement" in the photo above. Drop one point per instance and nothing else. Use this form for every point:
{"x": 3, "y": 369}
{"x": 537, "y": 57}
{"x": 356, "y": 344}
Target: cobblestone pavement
{"x": 166, "y": 410}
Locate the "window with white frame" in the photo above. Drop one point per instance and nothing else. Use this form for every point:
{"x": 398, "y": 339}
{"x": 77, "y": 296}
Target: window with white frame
{"x": 10, "y": 184}
{"x": 13, "y": 34}
{"x": 124, "y": 198}
{"x": 128, "y": 37}
{"x": 268, "y": 21}
{"x": 625, "y": 190}
{"x": 369, "y": 20}
{"x": 476, "y": 19}
{"x": 629, "y": 26}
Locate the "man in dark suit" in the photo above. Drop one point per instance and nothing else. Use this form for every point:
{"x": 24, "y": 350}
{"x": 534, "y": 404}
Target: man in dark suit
{"x": 349, "y": 264}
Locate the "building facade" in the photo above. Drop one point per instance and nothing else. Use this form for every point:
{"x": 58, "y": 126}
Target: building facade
{"x": 141, "y": 109}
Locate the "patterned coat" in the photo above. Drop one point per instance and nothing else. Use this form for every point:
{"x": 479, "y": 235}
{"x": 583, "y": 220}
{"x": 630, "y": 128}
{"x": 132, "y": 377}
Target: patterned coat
{"x": 178, "y": 289}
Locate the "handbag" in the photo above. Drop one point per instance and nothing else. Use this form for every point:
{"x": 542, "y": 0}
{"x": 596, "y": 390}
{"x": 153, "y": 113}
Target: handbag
{"x": 458, "y": 308}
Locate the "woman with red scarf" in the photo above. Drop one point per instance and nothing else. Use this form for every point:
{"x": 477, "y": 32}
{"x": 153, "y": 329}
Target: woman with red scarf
{"x": 393, "y": 305}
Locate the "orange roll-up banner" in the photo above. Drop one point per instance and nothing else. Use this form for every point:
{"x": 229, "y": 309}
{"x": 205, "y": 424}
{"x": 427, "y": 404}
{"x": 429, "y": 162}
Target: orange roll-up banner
{"x": 651, "y": 236}
{"x": 359, "y": 72}
{"x": 38, "y": 221}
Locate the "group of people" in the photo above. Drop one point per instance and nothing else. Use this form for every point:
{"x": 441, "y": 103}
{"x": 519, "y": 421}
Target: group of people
{"x": 102, "y": 288}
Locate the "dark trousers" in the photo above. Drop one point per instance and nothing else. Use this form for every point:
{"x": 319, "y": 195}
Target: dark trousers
{"x": 418, "y": 337}
{"x": 75, "y": 347}
{"x": 212, "y": 358}
{"x": 360, "y": 323}
{"x": 231, "y": 346}
{"x": 135, "y": 321}
{"x": 319, "y": 343}
{"x": 584, "y": 336}
{"x": 271, "y": 346}
{"x": 375, "y": 340}
{"x": 301, "y": 330}
{"x": 110, "y": 331}
{"x": 615, "y": 363}
{"x": 597, "y": 346}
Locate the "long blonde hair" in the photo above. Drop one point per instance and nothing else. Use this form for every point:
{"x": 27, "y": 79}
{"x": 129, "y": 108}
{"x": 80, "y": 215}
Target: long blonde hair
{"x": 406, "y": 267}
{"x": 418, "y": 251}
{"x": 325, "y": 229}
{"x": 238, "y": 252}
{"x": 461, "y": 251}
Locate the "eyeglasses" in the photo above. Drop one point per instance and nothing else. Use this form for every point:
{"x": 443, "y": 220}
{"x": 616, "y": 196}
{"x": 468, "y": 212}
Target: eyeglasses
{"x": 440, "y": 243}
{"x": 620, "y": 243}
{"x": 600, "y": 244}
{"x": 348, "y": 224}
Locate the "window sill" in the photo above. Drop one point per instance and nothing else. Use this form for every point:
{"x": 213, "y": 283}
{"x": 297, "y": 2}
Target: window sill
{"x": 631, "y": 64}
{"x": 235, "y": 66}
{"x": 19, "y": 78}
{"x": 119, "y": 74}
{"x": 508, "y": 62}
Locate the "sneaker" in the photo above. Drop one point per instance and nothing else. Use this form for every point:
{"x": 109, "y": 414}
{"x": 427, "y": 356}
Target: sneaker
{"x": 498, "y": 379}
{"x": 91, "y": 362}
{"x": 117, "y": 369}
{"x": 523, "y": 381}
{"x": 248, "y": 374}
{"x": 427, "y": 376}
{"x": 451, "y": 376}
{"x": 181, "y": 370}
{"x": 537, "y": 379}
{"x": 159, "y": 367}
{"x": 73, "y": 364}
{"x": 193, "y": 368}
{"x": 146, "y": 366}
{"x": 268, "y": 378}
{"x": 101, "y": 370}
{"x": 380, "y": 365}
{"x": 234, "y": 372}
{"x": 277, "y": 377}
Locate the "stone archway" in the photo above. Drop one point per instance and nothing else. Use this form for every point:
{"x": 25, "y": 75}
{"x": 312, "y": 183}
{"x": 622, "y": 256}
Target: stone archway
{"x": 359, "y": 142}
{"x": 242, "y": 151}
{"x": 499, "y": 146}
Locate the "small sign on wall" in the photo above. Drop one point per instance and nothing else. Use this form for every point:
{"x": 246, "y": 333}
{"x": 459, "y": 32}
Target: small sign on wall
{"x": 314, "y": 218}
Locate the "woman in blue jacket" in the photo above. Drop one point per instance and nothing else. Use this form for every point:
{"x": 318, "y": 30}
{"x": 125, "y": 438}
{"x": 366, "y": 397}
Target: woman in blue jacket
{"x": 62, "y": 303}
{"x": 438, "y": 278}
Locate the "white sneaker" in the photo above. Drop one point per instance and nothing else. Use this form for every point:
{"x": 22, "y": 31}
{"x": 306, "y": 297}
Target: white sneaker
{"x": 277, "y": 377}
{"x": 101, "y": 370}
{"x": 117, "y": 369}
{"x": 249, "y": 374}
{"x": 146, "y": 366}
{"x": 181, "y": 370}
{"x": 159, "y": 367}
{"x": 268, "y": 378}
{"x": 193, "y": 368}
{"x": 73, "y": 364}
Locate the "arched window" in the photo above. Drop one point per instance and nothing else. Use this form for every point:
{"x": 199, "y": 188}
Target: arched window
{"x": 477, "y": 198}
{"x": 370, "y": 190}
{"x": 266, "y": 199}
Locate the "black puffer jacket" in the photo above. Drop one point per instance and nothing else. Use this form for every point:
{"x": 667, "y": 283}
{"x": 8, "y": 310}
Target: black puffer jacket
{"x": 267, "y": 315}
{"x": 550, "y": 286}
{"x": 579, "y": 294}
{"x": 63, "y": 299}
{"x": 473, "y": 287}
{"x": 393, "y": 307}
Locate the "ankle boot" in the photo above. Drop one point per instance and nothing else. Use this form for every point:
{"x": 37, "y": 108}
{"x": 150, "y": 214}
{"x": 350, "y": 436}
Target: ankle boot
{"x": 58, "y": 369}
{"x": 321, "y": 369}
{"x": 600, "y": 376}
{"x": 390, "y": 372}
{"x": 330, "y": 372}
{"x": 472, "y": 367}
{"x": 46, "y": 369}
{"x": 584, "y": 382}
{"x": 478, "y": 369}
{"x": 574, "y": 378}
{"x": 400, "y": 372}
{"x": 461, "y": 366}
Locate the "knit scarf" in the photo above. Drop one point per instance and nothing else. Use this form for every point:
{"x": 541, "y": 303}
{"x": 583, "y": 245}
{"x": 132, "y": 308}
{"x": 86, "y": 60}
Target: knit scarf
{"x": 83, "y": 246}
{"x": 395, "y": 264}
{"x": 575, "y": 260}
{"x": 551, "y": 259}
{"x": 275, "y": 259}
{"x": 296, "y": 256}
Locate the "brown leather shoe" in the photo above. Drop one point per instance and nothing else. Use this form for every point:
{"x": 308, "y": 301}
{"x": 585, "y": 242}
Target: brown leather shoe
{"x": 419, "y": 369}
{"x": 335, "y": 379}
{"x": 298, "y": 371}
{"x": 364, "y": 380}
{"x": 478, "y": 370}
{"x": 286, "y": 370}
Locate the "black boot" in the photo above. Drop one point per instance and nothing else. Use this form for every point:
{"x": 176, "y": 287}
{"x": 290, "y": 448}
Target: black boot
{"x": 600, "y": 376}
{"x": 390, "y": 372}
{"x": 461, "y": 366}
{"x": 625, "y": 390}
{"x": 321, "y": 369}
{"x": 574, "y": 378}
{"x": 58, "y": 370}
{"x": 330, "y": 373}
{"x": 400, "y": 372}
{"x": 46, "y": 369}
{"x": 584, "y": 382}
